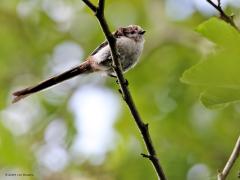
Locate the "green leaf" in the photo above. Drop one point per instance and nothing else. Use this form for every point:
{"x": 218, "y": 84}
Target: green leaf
{"x": 219, "y": 73}
{"x": 220, "y": 70}
{"x": 220, "y": 32}
{"x": 219, "y": 97}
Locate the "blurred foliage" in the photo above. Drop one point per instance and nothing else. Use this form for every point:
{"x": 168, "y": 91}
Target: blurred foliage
{"x": 185, "y": 133}
{"x": 219, "y": 72}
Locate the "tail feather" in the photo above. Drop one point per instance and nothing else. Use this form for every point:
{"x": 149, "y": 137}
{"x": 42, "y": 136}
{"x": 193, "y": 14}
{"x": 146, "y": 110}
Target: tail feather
{"x": 18, "y": 98}
{"x": 85, "y": 67}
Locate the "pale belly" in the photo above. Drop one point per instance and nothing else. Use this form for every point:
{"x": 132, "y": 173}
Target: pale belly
{"x": 129, "y": 51}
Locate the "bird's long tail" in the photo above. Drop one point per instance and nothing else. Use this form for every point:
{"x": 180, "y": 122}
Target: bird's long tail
{"x": 85, "y": 67}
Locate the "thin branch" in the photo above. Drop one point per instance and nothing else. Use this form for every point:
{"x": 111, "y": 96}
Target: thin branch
{"x": 235, "y": 154}
{"x": 90, "y": 5}
{"x": 223, "y": 15}
{"x": 101, "y": 5}
{"x": 99, "y": 12}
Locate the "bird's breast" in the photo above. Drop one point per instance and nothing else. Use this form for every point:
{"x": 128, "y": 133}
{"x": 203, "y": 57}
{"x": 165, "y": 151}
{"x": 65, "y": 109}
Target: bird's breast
{"x": 129, "y": 51}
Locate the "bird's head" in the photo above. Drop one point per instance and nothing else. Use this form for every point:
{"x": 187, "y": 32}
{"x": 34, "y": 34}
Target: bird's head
{"x": 132, "y": 31}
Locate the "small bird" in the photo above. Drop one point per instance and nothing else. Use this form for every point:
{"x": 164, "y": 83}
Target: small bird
{"x": 130, "y": 41}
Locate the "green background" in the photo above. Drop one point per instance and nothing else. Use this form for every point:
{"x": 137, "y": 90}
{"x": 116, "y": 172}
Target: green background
{"x": 192, "y": 121}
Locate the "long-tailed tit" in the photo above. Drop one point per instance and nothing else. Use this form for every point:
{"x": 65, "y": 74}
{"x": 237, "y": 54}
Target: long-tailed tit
{"x": 129, "y": 44}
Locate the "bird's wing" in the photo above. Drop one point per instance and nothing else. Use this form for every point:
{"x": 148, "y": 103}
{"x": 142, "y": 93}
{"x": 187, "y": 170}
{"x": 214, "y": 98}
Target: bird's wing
{"x": 105, "y": 43}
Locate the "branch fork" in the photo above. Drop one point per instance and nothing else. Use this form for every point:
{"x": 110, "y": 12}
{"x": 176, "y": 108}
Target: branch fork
{"x": 223, "y": 15}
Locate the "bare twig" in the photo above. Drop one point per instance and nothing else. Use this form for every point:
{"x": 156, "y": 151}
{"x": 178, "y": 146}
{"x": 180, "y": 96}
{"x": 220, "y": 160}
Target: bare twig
{"x": 223, "y": 15}
{"x": 235, "y": 154}
{"x": 99, "y": 12}
{"x": 90, "y": 5}
{"x": 101, "y": 5}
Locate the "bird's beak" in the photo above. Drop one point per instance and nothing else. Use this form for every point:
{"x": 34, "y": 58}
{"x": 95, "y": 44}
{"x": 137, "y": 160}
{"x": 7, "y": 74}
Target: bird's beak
{"x": 142, "y": 32}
